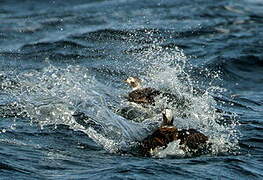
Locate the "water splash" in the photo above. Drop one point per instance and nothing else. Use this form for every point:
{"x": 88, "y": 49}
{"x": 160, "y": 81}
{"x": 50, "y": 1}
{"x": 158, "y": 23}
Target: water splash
{"x": 53, "y": 95}
{"x": 168, "y": 70}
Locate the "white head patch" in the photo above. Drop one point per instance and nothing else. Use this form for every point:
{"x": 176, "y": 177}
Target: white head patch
{"x": 169, "y": 114}
{"x": 134, "y": 82}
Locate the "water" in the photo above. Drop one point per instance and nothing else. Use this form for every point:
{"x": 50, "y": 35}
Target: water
{"x": 58, "y": 58}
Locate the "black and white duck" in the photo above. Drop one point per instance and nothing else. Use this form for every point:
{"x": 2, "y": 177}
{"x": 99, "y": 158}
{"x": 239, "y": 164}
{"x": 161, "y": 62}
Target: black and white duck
{"x": 148, "y": 95}
{"x": 190, "y": 139}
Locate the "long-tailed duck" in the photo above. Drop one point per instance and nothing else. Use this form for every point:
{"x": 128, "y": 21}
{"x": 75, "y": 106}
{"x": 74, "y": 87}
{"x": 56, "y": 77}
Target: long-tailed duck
{"x": 190, "y": 139}
{"x": 147, "y": 95}
{"x": 141, "y": 95}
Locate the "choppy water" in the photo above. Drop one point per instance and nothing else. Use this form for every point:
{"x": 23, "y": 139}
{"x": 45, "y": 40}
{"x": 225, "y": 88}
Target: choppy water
{"x": 62, "y": 57}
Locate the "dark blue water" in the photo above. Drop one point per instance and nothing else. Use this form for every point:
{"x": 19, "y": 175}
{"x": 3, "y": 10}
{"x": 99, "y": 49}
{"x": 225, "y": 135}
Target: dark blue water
{"x": 62, "y": 57}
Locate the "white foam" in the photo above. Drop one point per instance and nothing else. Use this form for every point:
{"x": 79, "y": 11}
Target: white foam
{"x": 52, "y": 95}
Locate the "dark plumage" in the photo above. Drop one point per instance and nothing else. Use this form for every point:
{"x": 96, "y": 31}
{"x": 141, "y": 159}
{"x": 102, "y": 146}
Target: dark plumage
{"x": 147, "y": 95}
{"x": 144, "y": 95}
{"x": 191, "y": 138}
{"x": 159, "y": 138}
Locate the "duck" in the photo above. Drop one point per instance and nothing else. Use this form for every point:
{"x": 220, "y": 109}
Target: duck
{"x": 147, "y": 95}
{"x": 190, "y": 139}
{"x": 141, "y": 95}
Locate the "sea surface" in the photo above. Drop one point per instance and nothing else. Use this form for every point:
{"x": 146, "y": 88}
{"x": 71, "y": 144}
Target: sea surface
{"x": 63, "y": 103}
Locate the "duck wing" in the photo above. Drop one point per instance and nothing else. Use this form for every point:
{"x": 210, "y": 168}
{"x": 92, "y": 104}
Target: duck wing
{"x": 192, "y": 138}
{"x": 160, "y": 138}
{"x": 145, "y": 95}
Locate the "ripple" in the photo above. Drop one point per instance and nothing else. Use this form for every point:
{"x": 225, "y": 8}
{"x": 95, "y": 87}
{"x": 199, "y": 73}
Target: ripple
{"x": 57, "y": 57}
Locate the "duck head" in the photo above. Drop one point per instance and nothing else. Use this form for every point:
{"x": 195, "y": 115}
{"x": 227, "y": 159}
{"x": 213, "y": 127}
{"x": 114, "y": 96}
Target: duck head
{"x": 167, "y": 117}
{"x": 134, "y": 82}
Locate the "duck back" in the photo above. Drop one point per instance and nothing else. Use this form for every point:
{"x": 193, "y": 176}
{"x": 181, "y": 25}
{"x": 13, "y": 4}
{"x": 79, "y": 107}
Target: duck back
{"x": 160, "y": 138}
{"x": 145, "y": 95}
{"x": 192, "y": 138}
